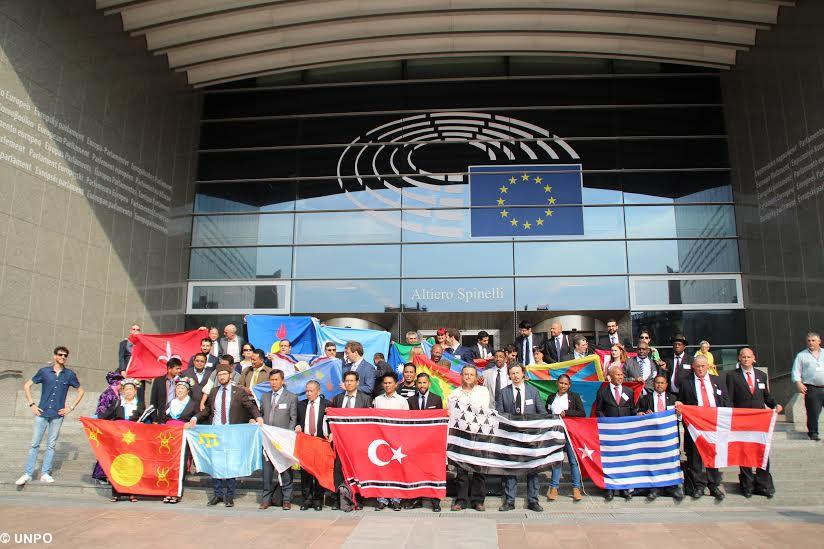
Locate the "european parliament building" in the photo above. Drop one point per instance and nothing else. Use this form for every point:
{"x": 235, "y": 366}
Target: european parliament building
{"x": 411, "y": 165}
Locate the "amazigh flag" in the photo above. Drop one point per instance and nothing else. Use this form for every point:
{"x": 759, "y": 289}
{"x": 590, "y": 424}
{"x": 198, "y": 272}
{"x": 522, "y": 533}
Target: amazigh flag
{"x": 588, "y": 390}
{"x": 226, "y": 451}
{"x": 731, "y": 436}
{"x": 286, "y": 448}
{"x": 442, "y": 381}
{"x": 327, "y": 373}
{"x": 138, "y": 458}
{"x": 151, "y": 351}
{"x": 266, "y": 331}
{"x": 587, "y": 368}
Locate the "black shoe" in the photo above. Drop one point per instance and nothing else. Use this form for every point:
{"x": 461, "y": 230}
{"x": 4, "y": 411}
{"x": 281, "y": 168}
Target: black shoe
{"x": 535, "y": 506}
{"x": 436, "y": 508}
{"x": 652, "y": 494}
{"x": 627, "y": 495}
{"x": 815, "y": 436}
{"x": 336, "y": 506}
{"x": 678, "y": 493}
{"x": 215, "y": 500}
{"x": 229, "y": 501}
{"x": 716, "y": 492}
{"x": 506, "y": 507}
{"x": 608, "y": 495}
{"x": 305, "y": 506}
{"x": 416, "y": 504}
{"x": 396, "y": 505}
{"x": 698, "y": 493}
{"x": 768, "y": 495}
{"x": 746, "y": 493}
{"x": 380, "y": 506}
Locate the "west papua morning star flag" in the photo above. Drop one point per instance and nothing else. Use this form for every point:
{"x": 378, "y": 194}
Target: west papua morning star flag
{"x": 731, "y": 436}
{"x": 485, "y": 441}
{"x": 151, "y": 351}
{"x": 391, "y": 453}
{"x": 619, "y": 453}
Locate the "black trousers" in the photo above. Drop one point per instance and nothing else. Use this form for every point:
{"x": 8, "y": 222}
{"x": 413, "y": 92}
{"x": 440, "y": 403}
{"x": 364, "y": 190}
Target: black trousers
{"x": 759, "y": 481}
{"x": 472, "y": 490}
{"x": 311, "y": 489}
{"x": 700, "y": 476}
{"x": 813, "y": 402}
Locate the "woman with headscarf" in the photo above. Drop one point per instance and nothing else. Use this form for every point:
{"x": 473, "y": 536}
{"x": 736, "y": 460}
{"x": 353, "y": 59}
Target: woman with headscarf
{"x": 106, "y": 398}
{"x": 127, "y": 408}
{"x": 180, "y": 410}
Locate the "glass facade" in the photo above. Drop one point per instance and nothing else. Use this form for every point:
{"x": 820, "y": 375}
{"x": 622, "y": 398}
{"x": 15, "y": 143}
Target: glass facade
{"x": 357, "y": 194}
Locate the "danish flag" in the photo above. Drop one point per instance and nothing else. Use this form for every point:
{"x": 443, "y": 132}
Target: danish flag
{"x": 726, "y": 437}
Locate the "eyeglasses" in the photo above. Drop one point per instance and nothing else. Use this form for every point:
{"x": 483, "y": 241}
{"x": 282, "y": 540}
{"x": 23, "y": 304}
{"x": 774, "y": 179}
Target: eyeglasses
{"x": 249, "y": 350}
{"x": 331, "y": 349}
{"x": 64, "y": 355}
{"x": 644, "y": 337}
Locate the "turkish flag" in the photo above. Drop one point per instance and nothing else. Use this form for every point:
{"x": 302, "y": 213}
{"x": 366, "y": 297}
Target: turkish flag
{"x": 391, "y": 453}
{"x": 151, "y": 351}
{"x": 726, "y": 437}
{"x": 138, "y": 458}
{"x": 586, "y": 443}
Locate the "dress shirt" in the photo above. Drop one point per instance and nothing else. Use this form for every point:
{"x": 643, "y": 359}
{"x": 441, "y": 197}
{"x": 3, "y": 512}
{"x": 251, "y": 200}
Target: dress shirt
{"x": 219, "y": 403}
{"x": 170, "y": 390}
{"x": 253, "y": 379}
{"x": 620, "y": 389}
{"x": 677, "y": 359}
{"x": 522, "y": 389}
{"x": 646, "y": 366}
{"x": 613, "y": 338}
{"x": 527, "y": 350}
{"x": 355, "y": 365}
{"x": 807, "y": 368}
{"x": 482, "y": 352}
{"x": 394, "y": 402}
{"x": 306, "y": 422}
{"x": 477, "y": 396}
{"x": 709, "y": 388}
{"x": 558, "y": 342}
{"x": 349, "y": 400}
{"x": 233, "y": 348}
{"x": 656, "y": 401}
{"x": 560, "y": 404}
{"x": 578, "y": 355}
{"x": 199, "y": 374}
{"x": 425, "y": 396}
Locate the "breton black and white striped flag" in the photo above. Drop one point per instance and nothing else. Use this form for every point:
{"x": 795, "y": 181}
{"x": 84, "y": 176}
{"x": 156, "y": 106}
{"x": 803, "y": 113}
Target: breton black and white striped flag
{"x": 483, "y": 440}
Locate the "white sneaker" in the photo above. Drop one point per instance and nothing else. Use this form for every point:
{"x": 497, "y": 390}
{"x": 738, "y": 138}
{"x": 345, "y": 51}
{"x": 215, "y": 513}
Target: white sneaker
{"x": 45, "y": 477}
{"x": 22, "y": 480}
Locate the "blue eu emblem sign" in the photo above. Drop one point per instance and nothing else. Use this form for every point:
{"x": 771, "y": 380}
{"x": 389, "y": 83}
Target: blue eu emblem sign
{"x": 530, "y": 200}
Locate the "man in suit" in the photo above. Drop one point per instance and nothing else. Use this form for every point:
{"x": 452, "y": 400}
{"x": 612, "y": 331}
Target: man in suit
{"x": 351, "y": 397}
{"x": 279, "y": 408}
{"x": 747, "y": 388}
{"x": 255, "y": 373}
{"x": 681, "y": 364}
{"x": 659, "y": 400}
{"x": 200, "y": 373}
{"x": 453, "y": 341}
{"x": 615, "y": 400}
{"x": 526, "y": 341}
{"x": 124, "y": 350}
{"x": 519, "y": 399}
{"x": 356, "y": 363}
{"x": 558, "y": 344}
{"x": 641, "y": 367}
{"x": 607, "y": 340}
{"x": 227, "y": 404}
{"x": 496, "y": 377}
{"x": 163, "y": 387}
{"x": 424, "y": 400}
{"x": 381, "y": 369}
{"x": 482, "y": 349}
{"x": 206, "y": 348}
{"x": 701, "y": 389}
{"x": 312, "y": 421}
{"x": 580, "y": 348}
{"x": 231, "y": 343}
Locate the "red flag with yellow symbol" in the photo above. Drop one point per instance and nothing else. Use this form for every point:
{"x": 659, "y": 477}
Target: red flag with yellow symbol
{"x": 138, "y": 458}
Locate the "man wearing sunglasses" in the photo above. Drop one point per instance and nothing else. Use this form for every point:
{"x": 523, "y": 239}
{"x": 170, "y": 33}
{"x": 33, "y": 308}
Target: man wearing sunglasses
{"x": 48, "y": 415}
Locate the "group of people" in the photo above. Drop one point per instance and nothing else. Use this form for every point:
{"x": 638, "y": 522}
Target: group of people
{"x": 216, "y": 388}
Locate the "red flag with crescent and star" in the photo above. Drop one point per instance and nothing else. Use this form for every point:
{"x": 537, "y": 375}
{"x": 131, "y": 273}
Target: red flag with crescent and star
{"x": 391, "y": 453}
{"x": 151, "y": 351}
{"x": 138, "y": 458}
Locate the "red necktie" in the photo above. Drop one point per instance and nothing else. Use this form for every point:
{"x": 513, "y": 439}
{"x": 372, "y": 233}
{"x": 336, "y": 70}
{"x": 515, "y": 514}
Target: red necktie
{"x": 312, "y": 420}
{"x": 750, "y": 383}
{"x": 705, "y": 398}
{"x": 223, "y": 406}
{"x": 661, "y": 404}
{"x": 617, "y": 396}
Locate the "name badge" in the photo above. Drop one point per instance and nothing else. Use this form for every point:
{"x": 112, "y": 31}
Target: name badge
{"x": 281, "y": 406}
{"x": 529, "y": 401}
{"x": 718, "y": 391}
{"x": 687, "y": 366}
{"x": 624, "y": 397}
{"x": 762, "y": 386}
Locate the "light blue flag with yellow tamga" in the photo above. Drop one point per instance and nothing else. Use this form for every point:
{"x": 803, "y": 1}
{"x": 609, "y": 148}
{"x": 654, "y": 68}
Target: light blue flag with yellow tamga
{"x": 226, "y": 451}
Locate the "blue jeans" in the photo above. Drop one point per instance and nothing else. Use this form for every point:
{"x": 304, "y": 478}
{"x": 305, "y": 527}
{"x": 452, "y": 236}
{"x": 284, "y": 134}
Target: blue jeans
{"x": 573, "y": 466}
{"x": 224, "y": 487}
{"x": 511, "y": 485}
{"x": 41, "y": 423}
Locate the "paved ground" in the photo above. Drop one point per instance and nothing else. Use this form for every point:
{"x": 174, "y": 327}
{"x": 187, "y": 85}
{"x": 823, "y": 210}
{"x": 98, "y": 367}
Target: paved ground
{"x": 91, "y": 523}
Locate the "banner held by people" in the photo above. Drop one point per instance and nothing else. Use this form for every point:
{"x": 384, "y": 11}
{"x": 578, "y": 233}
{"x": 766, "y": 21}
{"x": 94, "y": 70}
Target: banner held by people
{"x": 226, "y": 451}
{"x": 327, "y": 373}
{"x": 151, "y": 351}
{"x": 587, "y": 368}
{"x": 285, "y": 448}
{"x": 588, "y": 390}
{"x": 266, "y": 331}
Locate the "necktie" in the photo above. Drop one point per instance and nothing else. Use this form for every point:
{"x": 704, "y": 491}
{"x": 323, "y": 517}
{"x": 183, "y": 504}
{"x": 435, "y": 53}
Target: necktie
{"x": 705, "y": 398}
{"x": 348, "y": 403}
{"x": 676, "y": 367}
{"x": 498, "y": 380}
{"x": 558, "y": 348}
{"x": 750, "y": 383}
{"x": 661, "y": 404}
{"x": 312, "y": 421}
{"x": 617, "y": 395}
{"x": 643, "y": 364}
{"x": 422, "y": 403}
{"x": 223, "y": 406}
{"x": 170, "y": 390}
{"x": 526, "y": 351}
{"x": 272, "y": 407}
{"x": 518, "y": 408}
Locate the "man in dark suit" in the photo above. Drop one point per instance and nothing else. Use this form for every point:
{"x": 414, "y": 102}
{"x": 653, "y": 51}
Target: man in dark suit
{"x": 279, "y": 408}
{"x": 200, "y": 373}
{"x": 482, "y": 349}
{"x": 641, "y": 367}
{"x": 124, "y": 350}
{"x": 381, "y": 369}
{"x": 356, "y": 363}
{"x": 747, "y": 388}
{"x": 226, "y": 404}
{"x": 206, "y": 348}
{"x": 607, "y": 340}
{"x": 580, "y": 348}
{"x": 701, "y": 389}
{"x": 163, "y": 387}
{"x": 526, "y": 341}
{"x": 424, "y": 400}
{"x": 519, "y": 399}
{"x": 615, "y": 400}
{"x": 659, "y": 400}
{"x": 231, "y": 343}
{"x": 351, "y": 397}
{"x": 557, "y": 345}
{"x": 312, "y": 421}
{"x": 680, "y": 365}
{"x": 453, "y": 342}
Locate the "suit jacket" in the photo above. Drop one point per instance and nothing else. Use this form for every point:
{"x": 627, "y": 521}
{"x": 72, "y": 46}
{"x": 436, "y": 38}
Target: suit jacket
{"x": 246, "y": 375}
{"x": 464, "y": 353}
{"x": 633, "y": 371}
{"x": 362, "y": 400}
{"x": 223, "y": 345}
{"x": 576, "y": 404}
{"x": 489, "y": 380}
{"x": 124, "y": 353}
{"x": 115, "y": 411}
{"x": 538, "y": 340}
{"x": 605, "y": 344}
{"x": 433, "y": 402}
{"x": 739, "y": 391}
{"x": 242, "y": 408}
{"x": 285, "y": 415}
{"x": 532, "y": 401}
{"x": 476, "y": 350}
{"x": 158, "y": 395}
{"x": 320, "y": 415}
{"x": 188, "y": 411}
{"x": 381, "y": 368}
{"x": 366, "y": 377}
{"x": 211, "y": 361}
{"x": 646, "y": 402}
{"x": 197, "y": 388}
{"x": 687, "y": 394}
{"x": 571, "y": 356}
{"x": 684, "y": 371}
{"x": 605, "y": 405}
{"x": 551, "y": 353}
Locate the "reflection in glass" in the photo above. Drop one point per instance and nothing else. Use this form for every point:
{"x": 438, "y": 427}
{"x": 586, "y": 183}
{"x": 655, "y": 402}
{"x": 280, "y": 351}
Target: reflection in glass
{"x": 345, "y": 296}
{"x": 569, "y": 258}
{"x": 243, "y": 297}
{"x": 328, "y": 195}
{"x": 242, "y": 230}
{"x": 685, "y": 292}
{"x": 245, "y": 197}
{"x": 571, "y": 293}
{"x": 346, "y": 227}
{"x": 486, "y": 258}
{"x": 683, "y": 256}
{"x": 457, "y": 295}
{"x": 347, "y": 261}
{"x": 680, "y": 221}
{"x": 723, "y": 327}
{"x": 240, "y": 263}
